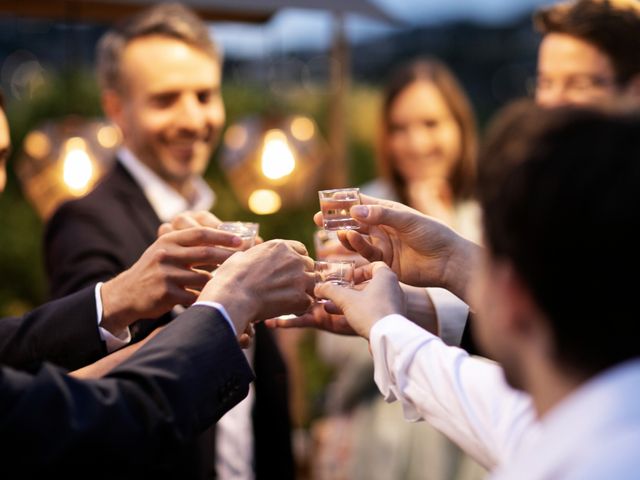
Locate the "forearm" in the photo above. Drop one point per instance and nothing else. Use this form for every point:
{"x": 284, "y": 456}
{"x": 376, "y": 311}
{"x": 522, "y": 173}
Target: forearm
{"x": 420, "y": 308}
{"x": 163, "y": 395}
{"x": 103, "y": 366}
{"x": 117, "y": 309}
{"x": 438, "y": 311}
{"x": 459, "y": 267}
{"x": 61, "y": 332}
{"x": 466, "y": 398}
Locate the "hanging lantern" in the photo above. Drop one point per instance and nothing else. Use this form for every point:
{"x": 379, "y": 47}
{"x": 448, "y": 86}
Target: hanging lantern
{"x": 61, "y": 160}
{"x": 273, "y": 162}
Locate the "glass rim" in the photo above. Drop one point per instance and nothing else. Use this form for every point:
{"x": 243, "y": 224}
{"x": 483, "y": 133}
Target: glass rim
{"x": 335, "y": 262}
{"x": 244, "y": 224}
{"x": 333, "y": 190}
{"x": 250, "y": 227}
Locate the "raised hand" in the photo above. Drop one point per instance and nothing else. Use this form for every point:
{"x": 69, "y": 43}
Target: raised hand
{"x": 420, "y": 250}
{"x": 268, "y": 280}
{"x": 189, "y": 219}
{"x": 164, "y": 276}
{"x": 318, "y": 318}
{"x": 362, "y": 308}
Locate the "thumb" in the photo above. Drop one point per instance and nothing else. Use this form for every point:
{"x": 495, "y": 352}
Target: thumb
{"x": 400, "y": 220}
{"x": 164, "y": 229}
{"x": 381, "y": 269}
{"x": 340, "y": 296}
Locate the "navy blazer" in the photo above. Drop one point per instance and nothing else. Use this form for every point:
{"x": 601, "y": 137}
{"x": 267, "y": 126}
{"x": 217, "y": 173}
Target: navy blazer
{"x": 64, "y": 332}
{"x": 139, "y": 420}
{"x": 98, "y": 236}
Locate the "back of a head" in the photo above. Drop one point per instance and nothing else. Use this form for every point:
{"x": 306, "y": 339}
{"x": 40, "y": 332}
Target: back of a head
{"x": 560, "y": 191}
{"x": 611, "y": 26}
{"x": 172, "y": 20}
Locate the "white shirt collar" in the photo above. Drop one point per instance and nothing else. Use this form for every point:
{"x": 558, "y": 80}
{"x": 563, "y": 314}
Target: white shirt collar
{"x": 164, "y": 199}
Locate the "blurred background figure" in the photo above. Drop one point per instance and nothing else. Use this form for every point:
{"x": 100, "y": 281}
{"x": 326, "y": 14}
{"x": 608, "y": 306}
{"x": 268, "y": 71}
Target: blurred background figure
{"x": 589, "y": 53}
{"x": 426, "y": 159}
{"x": 427, "y": 145}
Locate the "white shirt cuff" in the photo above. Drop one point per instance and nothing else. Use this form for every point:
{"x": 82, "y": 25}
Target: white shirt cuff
{"x": 385, "y": 355}
{"x": 113, "y": 342}
{"x": 451, "y": 314}
{"x": 222, "y": 310}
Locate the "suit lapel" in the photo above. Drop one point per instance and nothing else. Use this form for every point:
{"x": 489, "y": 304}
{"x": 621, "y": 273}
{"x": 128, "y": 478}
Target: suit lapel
{"x": 129, "y": 192}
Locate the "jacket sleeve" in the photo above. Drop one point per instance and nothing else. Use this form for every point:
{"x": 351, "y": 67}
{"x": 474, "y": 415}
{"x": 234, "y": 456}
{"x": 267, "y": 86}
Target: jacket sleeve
{"x": 80, "y": 249}
{"x": 170, "y": 390}
{"x": 64, "y": 332}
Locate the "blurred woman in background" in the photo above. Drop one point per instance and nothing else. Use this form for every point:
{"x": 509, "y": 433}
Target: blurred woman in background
{"x": 427, "y": 145}
{"x": 426, "y": 159}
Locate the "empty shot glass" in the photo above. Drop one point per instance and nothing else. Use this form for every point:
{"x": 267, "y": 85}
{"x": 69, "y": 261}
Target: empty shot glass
{"x": 247, "y": 231}
{"x": 337, "y": 272}
{"x": 335, "y": 205}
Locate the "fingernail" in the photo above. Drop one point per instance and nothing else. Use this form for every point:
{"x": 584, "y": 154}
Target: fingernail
{"x": 236, "y": 242}
{"x": 360, "y": 211}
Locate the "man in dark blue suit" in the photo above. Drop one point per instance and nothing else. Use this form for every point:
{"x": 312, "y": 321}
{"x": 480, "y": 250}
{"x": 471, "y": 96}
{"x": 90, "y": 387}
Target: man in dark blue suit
{"x": 160, "y": 76}
{"x": 143, "y": 416}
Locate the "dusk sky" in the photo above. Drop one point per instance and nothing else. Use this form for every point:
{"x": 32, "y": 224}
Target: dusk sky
{"x": 294, "y": 28}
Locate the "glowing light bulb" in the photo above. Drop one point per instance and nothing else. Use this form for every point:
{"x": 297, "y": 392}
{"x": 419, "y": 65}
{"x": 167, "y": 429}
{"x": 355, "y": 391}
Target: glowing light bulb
{"x": 77, "y": 167}
{"x": 277, "y": 157}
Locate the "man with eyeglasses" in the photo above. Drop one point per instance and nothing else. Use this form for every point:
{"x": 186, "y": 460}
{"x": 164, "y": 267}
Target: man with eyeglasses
{"x": 589, "y": 53}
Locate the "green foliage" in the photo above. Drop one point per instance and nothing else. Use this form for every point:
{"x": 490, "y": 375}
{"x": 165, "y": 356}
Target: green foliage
{"x": 22, "y": 278}
{"x": 22, "y": 284}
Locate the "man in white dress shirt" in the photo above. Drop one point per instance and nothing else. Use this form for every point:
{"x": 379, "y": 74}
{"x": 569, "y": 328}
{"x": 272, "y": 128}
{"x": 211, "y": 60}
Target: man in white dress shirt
{"x": 558, "y": 190}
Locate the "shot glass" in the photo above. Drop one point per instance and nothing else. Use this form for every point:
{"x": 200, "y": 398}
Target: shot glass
{"x": 326, "y": 243}
{"x": 335, "y": 205}
{"x": 247, "y": 231}
{"x": 337, "y": 272}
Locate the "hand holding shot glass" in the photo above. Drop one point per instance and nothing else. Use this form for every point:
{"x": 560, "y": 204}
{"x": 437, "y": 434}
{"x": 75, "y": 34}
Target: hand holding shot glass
{"x": 335, "y": 205}
{"x": 340, "y": 273}
{"x": 247, "y": 231}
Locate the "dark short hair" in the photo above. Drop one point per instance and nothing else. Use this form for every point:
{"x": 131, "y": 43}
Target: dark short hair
{"x": 560, "y": 190}
{"x": 172, "y": 20}
{"x": 462, "y": 180}
{"x": 1, "y": 99}
{"x": 614, "y": 30}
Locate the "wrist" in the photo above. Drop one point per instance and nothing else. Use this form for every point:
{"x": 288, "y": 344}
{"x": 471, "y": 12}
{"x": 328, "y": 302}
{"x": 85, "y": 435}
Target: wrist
{"x": 117, "y": 313}
{"x": 460, "y": 264}
{"x": 240, "y": 307}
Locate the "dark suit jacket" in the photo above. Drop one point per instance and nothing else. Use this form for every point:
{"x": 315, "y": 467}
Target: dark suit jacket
{"x": 47, "y": 332}
{"x": 96, "y": 237}
{"x": 137, "y": 422}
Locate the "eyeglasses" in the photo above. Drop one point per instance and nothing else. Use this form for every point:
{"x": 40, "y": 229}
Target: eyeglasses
{"x": 578, "y": 84}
